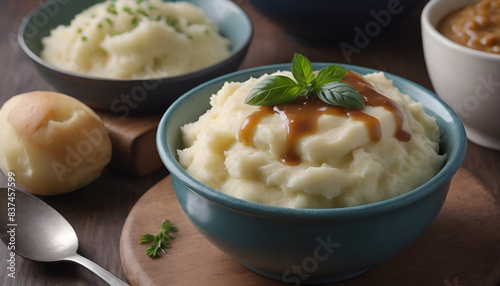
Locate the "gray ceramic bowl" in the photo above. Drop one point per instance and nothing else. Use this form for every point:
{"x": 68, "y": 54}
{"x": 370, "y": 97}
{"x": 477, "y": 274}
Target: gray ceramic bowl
{"x": 125, "y": 97}
{"x": 333, "y": 21}
{"x": 326, "y": 245}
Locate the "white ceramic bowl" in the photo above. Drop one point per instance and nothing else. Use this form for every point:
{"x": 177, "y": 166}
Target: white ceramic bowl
{"x": 467, "y": 79}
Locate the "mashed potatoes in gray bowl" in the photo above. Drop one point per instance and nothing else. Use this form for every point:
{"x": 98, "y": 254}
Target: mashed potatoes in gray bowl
{"x": 130, "y": 39}
{"x": 388, "y": 148}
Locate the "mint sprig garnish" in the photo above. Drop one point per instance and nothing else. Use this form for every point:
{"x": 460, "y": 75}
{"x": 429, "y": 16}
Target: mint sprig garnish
{"x": 326, "y": 85}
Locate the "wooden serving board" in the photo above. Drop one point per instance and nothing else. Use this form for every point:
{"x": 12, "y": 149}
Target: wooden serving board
{"x": 462, "y": 246}
{"x": 134, "y": 142}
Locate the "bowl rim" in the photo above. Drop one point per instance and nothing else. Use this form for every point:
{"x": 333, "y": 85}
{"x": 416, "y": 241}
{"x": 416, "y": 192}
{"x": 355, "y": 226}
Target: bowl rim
{"x": 196, "y": 73}
{"x": 428, "y": 27}
{"x": 451, "y": 165}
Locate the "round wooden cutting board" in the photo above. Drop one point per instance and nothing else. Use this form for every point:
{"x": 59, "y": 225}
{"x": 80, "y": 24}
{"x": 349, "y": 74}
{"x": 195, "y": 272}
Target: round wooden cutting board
{"x": 462, "y": 246}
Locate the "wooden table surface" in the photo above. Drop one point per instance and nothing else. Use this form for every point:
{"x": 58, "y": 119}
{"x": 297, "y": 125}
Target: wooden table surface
{"x": 98, "y": 211}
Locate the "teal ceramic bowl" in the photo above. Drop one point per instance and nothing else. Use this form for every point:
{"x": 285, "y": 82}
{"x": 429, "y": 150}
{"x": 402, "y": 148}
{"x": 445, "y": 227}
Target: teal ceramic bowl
{"x": 124, "y": 97}
{"x": 309, "y": 245}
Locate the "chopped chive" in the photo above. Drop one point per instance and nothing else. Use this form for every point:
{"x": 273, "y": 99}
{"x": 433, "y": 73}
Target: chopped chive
{"x": 140, "y": 11}
{"x": 112, "y": 9}
{"x": 79, "y": 30}
{"x": 99, "y": 25}
{"x": 128, "y": 10}
{"x": 171, "y": 22}
{"x": 139, "y": 1}
{"x": 110, "y": 22}
{"x": 84, "y": 39}
{"x": 151, "y": 7}
{"x": 207, "y": 32}
{"x": 135, "y": 21}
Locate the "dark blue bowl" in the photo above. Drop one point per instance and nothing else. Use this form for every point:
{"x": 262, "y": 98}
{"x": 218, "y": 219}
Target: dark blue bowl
{"x": 324, "y": 245}
{"x": 124, "y": 97}
{"x": 335, "y": 21}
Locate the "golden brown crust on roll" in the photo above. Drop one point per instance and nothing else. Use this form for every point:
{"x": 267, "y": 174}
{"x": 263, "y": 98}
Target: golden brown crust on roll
{"x": 53, "y": 142}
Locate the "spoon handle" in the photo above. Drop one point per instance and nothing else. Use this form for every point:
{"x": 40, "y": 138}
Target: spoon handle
{"x": 98, "y": 270}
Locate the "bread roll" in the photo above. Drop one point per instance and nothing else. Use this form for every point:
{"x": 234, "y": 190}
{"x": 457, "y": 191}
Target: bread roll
{"x": 52, "y": 142}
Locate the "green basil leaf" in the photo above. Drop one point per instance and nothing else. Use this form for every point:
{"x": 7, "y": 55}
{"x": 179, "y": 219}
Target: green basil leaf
{"x": 302, "y": 69}
{"x": 341, "y": 94}
{"x": 329, "y": 74}
{"x": 274, "y": 90}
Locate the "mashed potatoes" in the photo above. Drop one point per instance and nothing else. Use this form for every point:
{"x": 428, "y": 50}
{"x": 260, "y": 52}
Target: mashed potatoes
{"x": 341, "y": 163}
{"x": 130, "y": 39}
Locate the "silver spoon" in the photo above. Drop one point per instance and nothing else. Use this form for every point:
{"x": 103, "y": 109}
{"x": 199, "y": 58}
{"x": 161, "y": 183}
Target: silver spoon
{"x": 40, "y": 233}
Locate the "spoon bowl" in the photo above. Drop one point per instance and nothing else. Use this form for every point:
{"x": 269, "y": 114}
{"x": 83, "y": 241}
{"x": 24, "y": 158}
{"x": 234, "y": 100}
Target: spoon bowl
{"x": 38, "y": 232}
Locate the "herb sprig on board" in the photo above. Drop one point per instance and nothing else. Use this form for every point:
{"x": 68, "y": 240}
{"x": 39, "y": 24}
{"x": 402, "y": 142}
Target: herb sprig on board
{"x": 160, "y": 241}
{"x": 327, "y": 85}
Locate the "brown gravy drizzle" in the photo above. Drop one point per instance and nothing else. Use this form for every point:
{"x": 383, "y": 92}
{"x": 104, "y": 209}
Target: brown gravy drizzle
{"x": 300, "y": 117}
